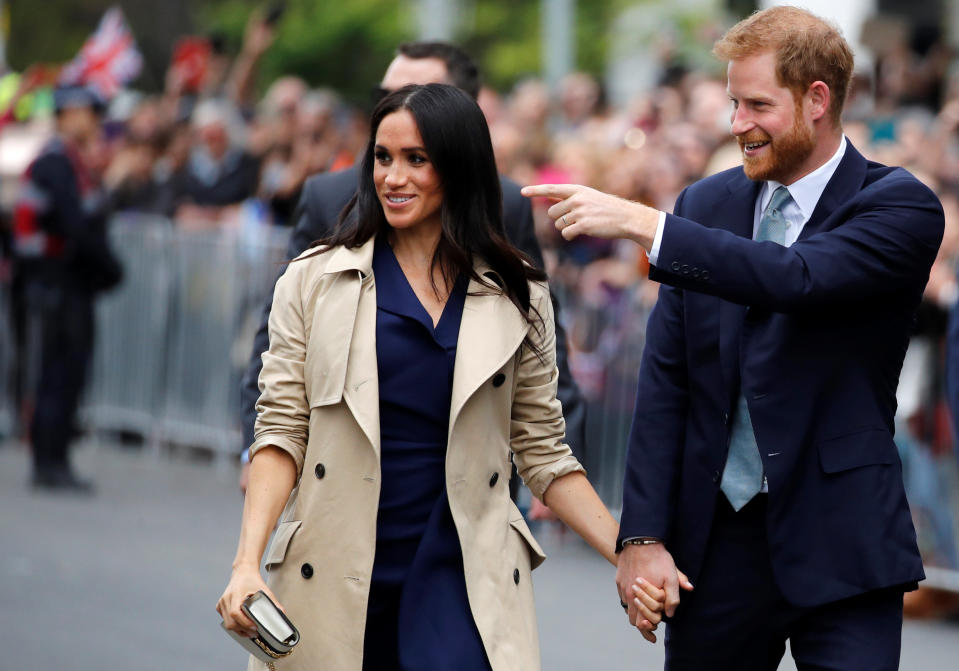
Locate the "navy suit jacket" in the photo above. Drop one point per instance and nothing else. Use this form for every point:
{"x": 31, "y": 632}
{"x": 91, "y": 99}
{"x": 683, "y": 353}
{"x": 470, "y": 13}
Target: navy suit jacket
{"x": 324, "y": 197}
{"x": 814, "y": 335}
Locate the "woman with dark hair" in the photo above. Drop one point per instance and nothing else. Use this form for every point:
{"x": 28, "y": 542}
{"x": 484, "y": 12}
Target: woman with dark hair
{"x": 410, "y": 354}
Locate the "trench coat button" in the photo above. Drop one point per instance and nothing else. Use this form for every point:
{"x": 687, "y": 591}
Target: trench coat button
{"x": 516, "y": 575}
{"x": 498, "y": 380}
{"x": 306, "y": 571}
{"x": 320, "y": 471}
{"x": 493, "y": 479}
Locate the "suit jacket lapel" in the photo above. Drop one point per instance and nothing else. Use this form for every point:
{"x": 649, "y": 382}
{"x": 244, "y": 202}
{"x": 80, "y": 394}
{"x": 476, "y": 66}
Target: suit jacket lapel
{"x": 491, "y": 331}
{"x": 842, "y": 186}
{"x": 739, "y": 214}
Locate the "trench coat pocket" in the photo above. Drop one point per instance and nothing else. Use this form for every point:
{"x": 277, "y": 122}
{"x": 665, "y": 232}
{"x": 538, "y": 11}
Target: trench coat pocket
{"x": 536, "y": 554}
{"x": 867, "y": 447}
{"x": 281, "y": 541}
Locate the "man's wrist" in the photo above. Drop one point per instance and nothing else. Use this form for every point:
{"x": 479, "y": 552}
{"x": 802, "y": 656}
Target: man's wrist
{"x": 643, "y": 226}
{"x": 639, "y": 540}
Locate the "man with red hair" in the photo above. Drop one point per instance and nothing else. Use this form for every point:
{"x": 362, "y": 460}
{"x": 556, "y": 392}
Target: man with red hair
{"x": 761, "y": 459}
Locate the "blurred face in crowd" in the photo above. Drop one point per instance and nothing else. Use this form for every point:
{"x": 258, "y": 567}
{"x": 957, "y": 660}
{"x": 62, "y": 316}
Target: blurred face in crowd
{"x": 404, "y": 70}
{"x": 579, "y": 97}
{"x": 408, "y": 186}
{"x": 216, "y": 139}
{"x": 773, "y": 127}
{"x": 80, "y": 124}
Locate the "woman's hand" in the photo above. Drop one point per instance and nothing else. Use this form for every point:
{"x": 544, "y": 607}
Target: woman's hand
{"x": 650, "y": 602}
{"x": 244, "y": 582}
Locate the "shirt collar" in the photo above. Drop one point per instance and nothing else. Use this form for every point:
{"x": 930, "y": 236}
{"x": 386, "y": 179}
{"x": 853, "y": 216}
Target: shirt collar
{"x": 806, "y": 192}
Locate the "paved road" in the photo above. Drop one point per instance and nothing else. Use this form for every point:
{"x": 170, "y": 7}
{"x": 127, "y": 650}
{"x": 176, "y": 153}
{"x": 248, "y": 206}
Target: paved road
{"x": 127, "y": 580}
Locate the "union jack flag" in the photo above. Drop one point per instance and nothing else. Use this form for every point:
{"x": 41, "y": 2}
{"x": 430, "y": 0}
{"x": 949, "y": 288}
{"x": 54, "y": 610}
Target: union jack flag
{"x": 108, "y": 60}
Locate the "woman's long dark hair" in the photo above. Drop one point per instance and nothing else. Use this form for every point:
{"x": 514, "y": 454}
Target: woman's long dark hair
{"x": 457, "y": 142}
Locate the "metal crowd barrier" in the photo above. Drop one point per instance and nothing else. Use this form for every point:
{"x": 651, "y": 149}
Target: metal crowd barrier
{"x": 606, "y": 345}
{"x": 7, "y": 394}
{"x": 174, "y": 338}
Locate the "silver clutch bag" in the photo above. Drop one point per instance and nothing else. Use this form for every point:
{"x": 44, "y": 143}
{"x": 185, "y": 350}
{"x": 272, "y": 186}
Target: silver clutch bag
{"x": 275, "y": 634}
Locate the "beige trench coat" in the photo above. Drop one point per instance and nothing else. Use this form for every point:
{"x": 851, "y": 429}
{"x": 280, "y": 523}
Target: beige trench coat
{"x": 320, "y": 404}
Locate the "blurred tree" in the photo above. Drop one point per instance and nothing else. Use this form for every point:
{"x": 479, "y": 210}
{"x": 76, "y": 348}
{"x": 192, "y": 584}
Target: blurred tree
{"x": 506, "y": 37}
{"x": 347, "y": 45}
{"x": 52, "y": 31}
{"x": 156, "y": 27}
{"x": 55, "y": 34}
{"x": 341, "y": 45}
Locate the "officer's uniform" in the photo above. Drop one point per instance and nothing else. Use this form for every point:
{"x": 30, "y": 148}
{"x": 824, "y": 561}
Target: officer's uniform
{"x": 62, "y": 261}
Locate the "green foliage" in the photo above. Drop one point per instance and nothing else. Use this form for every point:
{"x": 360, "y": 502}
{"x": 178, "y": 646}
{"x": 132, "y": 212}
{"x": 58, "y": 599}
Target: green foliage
{"x": 347, "y": 45}
{"x": 342, "y": 45}
{"x": 506, "y": 37}
{"x": 50, "y": 31}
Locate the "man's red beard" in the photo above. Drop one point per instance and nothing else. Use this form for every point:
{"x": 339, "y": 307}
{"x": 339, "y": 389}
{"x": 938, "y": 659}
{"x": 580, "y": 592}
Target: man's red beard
{"x": 783, "y": 155}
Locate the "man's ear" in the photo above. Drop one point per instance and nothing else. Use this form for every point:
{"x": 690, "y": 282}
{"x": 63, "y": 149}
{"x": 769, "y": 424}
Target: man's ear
{"x": 818, "y": 99}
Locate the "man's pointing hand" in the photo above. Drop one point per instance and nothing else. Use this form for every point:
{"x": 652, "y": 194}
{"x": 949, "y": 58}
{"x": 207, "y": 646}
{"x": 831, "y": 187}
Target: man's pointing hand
{"x": 580, "y": 210}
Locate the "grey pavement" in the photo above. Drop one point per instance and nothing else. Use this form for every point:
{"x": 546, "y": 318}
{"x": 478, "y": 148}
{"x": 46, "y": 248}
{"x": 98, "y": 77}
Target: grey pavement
{"x": 128, "y": 579}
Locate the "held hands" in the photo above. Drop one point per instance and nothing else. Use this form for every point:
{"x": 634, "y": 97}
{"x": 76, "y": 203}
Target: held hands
{"x": 581, "y": 210}
{"x": 244, "y": 582}
{"x": 648, "y": 582}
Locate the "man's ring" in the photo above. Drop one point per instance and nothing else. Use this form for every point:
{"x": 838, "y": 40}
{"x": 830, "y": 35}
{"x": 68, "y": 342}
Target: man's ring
{"x": 565, "y": 223}
{"x": 625, "y": 607}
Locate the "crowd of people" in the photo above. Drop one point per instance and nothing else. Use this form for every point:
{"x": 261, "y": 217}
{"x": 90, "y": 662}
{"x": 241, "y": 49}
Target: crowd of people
{"x": 209, "y": 154}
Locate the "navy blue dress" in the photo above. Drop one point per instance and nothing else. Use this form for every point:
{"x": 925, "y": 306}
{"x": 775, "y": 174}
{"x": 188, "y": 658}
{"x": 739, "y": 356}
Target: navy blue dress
{"x": 419, "y": 617}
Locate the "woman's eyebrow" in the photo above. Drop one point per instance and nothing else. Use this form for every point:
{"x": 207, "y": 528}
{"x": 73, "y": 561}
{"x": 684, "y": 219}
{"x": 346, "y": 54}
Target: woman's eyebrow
{"x": 407, "y": 150}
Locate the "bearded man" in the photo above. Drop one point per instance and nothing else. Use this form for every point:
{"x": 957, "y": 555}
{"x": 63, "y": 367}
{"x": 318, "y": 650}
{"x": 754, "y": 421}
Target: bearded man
{"x": 761, "y": 459}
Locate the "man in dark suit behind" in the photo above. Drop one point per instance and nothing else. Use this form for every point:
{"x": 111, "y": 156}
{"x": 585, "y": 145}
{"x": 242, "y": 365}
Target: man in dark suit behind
{"x": 325, "y": 195}
{"x": 761, "y": 457}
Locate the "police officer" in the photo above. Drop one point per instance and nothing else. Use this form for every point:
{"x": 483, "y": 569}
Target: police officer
{"x": 63, "y": 260}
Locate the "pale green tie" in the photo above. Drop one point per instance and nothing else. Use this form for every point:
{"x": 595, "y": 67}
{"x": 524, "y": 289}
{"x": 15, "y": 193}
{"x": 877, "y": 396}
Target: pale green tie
{"x": 743, "y": 474}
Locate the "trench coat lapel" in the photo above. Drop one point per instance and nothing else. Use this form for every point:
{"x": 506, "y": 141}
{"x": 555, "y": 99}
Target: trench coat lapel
{"x": 491, "y": 331}
{"x": 355, "y": 336}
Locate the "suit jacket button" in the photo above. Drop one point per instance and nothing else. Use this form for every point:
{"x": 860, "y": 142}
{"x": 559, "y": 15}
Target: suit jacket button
{"x": 675, "y": 265}
{"x": 498, "y": 380}
{"x": 516, "y": 575}
{"x": 493, "y": 479}
{"x": 717, "y": 476}
{"x": 705, "y": 275}
{"x": 725, "y": 418}
{"x": 306, "y": 571}
{"x": 685, "y": 269}
{"x": 320, "y": 471}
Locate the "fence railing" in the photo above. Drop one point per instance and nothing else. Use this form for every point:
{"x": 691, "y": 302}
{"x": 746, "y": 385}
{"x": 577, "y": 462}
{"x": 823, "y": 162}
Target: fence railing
{"x": 7, "y": 350}
{"x": 174, "y": 339}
